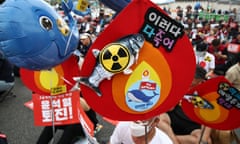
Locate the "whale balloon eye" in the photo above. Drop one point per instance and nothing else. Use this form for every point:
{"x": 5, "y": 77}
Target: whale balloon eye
{"x": 46, "y": 23}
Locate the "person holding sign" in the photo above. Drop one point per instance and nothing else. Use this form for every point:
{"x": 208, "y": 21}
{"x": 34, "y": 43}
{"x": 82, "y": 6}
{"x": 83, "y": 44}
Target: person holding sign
{"x": 179, "y": 127}
{"x": 85, "y": 43}
{"x": 71, "y": 132}
{"x": 205, "y": 59}
{"x": 221, "y": 55}
{"x": 139, "y": 132}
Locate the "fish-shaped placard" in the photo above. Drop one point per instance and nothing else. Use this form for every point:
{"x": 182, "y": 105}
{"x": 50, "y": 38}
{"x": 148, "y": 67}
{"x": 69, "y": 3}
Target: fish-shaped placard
{"x": 223, "y": 104}
{"x": 198, "y": 101}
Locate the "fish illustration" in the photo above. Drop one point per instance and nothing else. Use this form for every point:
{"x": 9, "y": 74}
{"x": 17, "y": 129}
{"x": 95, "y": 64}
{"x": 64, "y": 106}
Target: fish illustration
{"x": 114, "y": 58}
{"x": 198, "y": 102}
{"x": 139, "y": 96}
{"x": 34, "y": 36}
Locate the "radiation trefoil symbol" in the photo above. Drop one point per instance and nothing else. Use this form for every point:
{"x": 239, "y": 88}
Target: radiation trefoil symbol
{"x": 114, "y": 58}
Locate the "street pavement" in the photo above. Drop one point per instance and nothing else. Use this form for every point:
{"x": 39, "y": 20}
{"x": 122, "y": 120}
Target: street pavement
{"x": 16, "y": 120}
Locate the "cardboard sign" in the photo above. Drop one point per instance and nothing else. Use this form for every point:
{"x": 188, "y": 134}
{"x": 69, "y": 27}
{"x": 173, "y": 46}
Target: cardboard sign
{"x": 52, "y": 82}
{"x": 161, "y": 75}
{"x": 224, "y": 99}
{"x": 60, "y": 109}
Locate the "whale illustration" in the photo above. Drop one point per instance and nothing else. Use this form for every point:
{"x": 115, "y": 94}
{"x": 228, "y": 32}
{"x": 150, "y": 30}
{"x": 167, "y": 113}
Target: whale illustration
{"x": 139, "y": 96}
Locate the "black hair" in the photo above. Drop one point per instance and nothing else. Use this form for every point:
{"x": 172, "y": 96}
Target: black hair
{"x": 238, "y": 57}
{"x": 216, "y": 42}
{"x": 200, "y": 72}
{"x": 2, "y": 1}
{"x": 202, "y": 46}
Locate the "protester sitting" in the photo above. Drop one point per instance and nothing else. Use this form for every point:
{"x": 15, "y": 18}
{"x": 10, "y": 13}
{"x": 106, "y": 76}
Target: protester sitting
{"x": 229, "y": 136}
{"x": 205, "y": 59}
{"x": 85, "y": 43}
{"x": 221, "y": 55}
{"x": 71, "y": 132}
{"x": 233, "y": 74}
{"x": 232, "y": 55}
{"x": 179, "y": 127}
{"x": 139, "y": 132}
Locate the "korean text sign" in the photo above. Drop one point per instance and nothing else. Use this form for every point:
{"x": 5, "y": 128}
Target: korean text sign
{"x": 60, "y": 109}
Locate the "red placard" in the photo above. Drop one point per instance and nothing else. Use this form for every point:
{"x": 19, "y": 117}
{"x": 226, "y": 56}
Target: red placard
{"x": 225, "y": 100}
{"x": 60, "y": 109}
{"x": 233, "y": 48}
{"x": 113, "y": 122}
{"x": 209, "y": 39}
{"x": 86, "y": 123}
{"x": 165, "y": 66}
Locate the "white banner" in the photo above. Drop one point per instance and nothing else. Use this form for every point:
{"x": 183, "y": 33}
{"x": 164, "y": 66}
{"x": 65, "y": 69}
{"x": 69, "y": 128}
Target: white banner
{"x": 159, "y": 2}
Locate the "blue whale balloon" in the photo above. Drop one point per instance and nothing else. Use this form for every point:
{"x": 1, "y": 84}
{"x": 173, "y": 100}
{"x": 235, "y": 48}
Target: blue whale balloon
{"x": 34, "y": 36}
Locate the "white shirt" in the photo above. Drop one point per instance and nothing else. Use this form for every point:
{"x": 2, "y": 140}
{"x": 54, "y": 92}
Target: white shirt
{"x": 122, "y": 135}
{"x": 233, "y": 75}
{"x": 207, "y": 61}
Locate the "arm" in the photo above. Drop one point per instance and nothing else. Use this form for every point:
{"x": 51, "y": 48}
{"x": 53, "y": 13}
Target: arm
{"x": 203, "y": 135}
{"x": 229, "y": 76}
{"x": 210, "y": 73}
{"x": 165, "y": 125}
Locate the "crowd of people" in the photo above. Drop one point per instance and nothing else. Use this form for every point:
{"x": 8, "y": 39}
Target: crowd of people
{"x": 216, "y": 45}
{"x": 212, "y": 38}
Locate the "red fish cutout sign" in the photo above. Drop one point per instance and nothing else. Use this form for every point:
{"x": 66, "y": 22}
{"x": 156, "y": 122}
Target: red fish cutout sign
{"x": 59, "y": 78}
{"x": 140, "y": 66}
{"x": 224, "y": 104}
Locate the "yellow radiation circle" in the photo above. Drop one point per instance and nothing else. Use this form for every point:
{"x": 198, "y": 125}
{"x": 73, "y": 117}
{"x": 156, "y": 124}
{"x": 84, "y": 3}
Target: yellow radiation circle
{"x": 224, "y": 86}
{"x": 115, "y": 57}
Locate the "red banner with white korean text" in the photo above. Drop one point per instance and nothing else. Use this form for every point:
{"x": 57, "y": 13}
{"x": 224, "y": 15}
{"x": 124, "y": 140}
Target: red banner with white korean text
{"x": 58, "y": 110}
{"x": 87, "y": 124}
